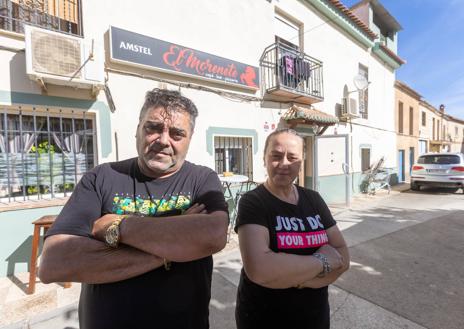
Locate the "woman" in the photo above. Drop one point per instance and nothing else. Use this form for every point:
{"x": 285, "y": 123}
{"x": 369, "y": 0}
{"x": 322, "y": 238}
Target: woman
{"x": 291, "y": 247}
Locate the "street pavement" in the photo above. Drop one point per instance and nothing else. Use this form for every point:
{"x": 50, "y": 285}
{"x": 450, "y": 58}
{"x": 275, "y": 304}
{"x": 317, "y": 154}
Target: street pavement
{"x": 406, "y": 270}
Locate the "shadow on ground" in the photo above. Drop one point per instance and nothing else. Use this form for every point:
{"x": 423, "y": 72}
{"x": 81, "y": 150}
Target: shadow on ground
{"x": 413, "y": 271}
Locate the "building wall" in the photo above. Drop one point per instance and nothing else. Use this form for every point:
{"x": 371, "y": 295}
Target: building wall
{"x": 177, "y": 24}
{"x": 17, "y": 90}
{"x": 221, "y": 35}
{"x": 451, "y": 141}
{"x": 407, "y": 140}
{"x": 457, "y": 139}
{"x": 433, "y": 131}
{"x": 426, "y": 131}
{"x": 366, "y": 14}
{"x": 327, "y": 42}
{"x": 16, "y": 238}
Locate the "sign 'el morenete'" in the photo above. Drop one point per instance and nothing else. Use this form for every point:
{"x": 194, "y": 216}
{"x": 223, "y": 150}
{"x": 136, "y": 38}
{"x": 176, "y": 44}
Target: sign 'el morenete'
{"x": 137, "y": 49}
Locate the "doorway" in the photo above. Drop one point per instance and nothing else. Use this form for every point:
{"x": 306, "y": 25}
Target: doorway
{"x": 332, "y": 170}
{"x": 401, "y": 165}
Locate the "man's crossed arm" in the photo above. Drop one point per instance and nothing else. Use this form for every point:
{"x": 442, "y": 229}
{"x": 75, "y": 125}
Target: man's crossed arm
{"x": 146, "y": 243}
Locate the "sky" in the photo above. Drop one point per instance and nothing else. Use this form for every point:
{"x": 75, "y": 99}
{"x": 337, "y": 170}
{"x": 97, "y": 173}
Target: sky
{"x": 432, "y": 43}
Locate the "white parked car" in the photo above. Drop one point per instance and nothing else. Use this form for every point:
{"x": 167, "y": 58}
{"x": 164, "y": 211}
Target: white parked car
{"x": 438, "y": 170}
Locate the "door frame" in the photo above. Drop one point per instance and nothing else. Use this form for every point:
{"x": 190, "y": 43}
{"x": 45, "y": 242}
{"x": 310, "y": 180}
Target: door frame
{"x": 346, "y": 165}
{"x": 401, "y": 166}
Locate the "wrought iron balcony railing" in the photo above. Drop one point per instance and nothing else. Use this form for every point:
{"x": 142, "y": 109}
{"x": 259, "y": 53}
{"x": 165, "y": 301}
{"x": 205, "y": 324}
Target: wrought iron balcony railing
{"x": 290, "y": 75}
{"x": 63, "y": 16}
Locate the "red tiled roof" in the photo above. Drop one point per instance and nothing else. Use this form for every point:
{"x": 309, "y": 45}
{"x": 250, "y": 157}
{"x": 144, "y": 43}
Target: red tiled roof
{"x": 393, "y": 55}
{"x": 345, "y": 10}
{"x": 309, "y": 114}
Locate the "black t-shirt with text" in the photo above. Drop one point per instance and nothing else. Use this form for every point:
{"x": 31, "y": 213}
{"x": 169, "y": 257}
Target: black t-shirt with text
{"x": 296, "y": 229}
{"x": 177, "y": 298}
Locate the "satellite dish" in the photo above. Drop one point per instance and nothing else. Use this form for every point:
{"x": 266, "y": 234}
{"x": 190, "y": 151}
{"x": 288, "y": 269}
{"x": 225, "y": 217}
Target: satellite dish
{"x": 360, "y": 82}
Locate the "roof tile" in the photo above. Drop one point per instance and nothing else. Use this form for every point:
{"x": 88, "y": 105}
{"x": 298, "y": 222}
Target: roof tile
{"x": 309, "y": 114}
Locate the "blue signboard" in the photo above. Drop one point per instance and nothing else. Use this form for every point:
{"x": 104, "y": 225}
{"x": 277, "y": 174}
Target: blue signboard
{"x": 137, "y": 49}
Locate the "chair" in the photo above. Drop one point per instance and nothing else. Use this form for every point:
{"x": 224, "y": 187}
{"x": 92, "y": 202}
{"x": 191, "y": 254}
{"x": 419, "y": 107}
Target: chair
{"x": 44, "y": 222}
{"x": 244, "y": 188}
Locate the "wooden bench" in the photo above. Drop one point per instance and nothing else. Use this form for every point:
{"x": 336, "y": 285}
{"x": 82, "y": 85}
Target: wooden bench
{"x": 44, "y": 222}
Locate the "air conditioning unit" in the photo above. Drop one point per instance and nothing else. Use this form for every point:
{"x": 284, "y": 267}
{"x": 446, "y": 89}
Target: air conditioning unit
{"x": 61, "y": 59}
{"x": 349, "y": 108}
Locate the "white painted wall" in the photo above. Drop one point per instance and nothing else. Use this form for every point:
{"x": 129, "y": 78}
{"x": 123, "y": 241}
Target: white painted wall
{"x": 13, "y": 66}
{"x": 13, "y": 78}
{"x": 233, "y": 30}
{"x": 341, "y": 56}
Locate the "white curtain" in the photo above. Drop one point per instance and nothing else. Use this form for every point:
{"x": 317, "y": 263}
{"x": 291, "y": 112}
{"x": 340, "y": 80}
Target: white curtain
{"x": 69, "y": 145}
{"x": 18, "y": 144}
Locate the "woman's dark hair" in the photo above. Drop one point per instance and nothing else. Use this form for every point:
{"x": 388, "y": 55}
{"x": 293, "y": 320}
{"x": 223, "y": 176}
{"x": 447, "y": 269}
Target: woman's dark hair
{"x": 278, "y": 132}
{"x": 171, "y": 101}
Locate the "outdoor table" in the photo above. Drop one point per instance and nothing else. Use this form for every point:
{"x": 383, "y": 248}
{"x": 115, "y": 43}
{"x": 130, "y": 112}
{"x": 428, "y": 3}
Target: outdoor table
{"x": 227, "y": 181}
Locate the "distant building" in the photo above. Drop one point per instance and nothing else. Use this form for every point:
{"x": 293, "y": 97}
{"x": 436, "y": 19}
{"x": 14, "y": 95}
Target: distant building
{"x": 422, "y": 128}
{"x": 408, "y": 141}
{"x": 444, "y": 132}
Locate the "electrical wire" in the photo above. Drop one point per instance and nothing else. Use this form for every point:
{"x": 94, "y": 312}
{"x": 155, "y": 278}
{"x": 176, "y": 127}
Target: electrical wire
{"x": 372, "y": 127}
{"x": 235, "y": 97}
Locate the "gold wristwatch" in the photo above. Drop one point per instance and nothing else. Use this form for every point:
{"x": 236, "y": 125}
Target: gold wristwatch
{"x": 112, "y": 234}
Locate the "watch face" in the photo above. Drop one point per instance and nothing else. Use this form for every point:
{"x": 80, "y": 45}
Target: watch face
{"x": 112, "y": 235}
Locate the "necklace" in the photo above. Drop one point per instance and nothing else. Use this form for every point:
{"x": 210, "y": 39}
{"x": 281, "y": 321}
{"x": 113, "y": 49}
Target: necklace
{"x": 294, "y": 194}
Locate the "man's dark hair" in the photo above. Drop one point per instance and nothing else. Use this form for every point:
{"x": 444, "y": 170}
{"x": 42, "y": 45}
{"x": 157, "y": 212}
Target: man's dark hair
{"x": 171, "y": 101}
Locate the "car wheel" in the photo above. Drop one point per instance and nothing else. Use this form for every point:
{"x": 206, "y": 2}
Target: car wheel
{"x": 415, "y": 186}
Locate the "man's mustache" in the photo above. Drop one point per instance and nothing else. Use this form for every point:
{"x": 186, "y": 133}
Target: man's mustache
{"x": 155, "y": 147}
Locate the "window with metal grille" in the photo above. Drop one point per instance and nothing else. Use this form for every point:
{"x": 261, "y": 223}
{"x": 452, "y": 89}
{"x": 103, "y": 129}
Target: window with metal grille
{"x": 400, "y": 117}
{"x": 234, "y": 154}
{"x": 363, "y": 97}
{"x": 438, "y": 129}
{"x": 433, "y": 128}
{"x": 56, "y": 15}
{"x": 44, "y": 153}
{"x": 411, "y": 121}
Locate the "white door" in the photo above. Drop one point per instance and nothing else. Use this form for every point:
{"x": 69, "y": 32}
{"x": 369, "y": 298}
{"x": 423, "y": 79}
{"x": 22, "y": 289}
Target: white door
{"x": 332, "y": 171}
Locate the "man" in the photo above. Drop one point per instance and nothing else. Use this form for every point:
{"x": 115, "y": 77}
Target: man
{"x": 139, "y": 233}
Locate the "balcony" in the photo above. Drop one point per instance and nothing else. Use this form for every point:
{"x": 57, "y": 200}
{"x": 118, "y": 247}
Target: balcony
{"x": 288, "y": 75}
{"x": 61, "y": 16}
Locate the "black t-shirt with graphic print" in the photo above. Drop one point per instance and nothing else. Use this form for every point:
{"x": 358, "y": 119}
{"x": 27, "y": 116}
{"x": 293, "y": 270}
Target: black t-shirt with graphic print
{"x": 177, "y": 298}
{"x": 296, "y": 229}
